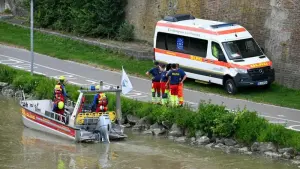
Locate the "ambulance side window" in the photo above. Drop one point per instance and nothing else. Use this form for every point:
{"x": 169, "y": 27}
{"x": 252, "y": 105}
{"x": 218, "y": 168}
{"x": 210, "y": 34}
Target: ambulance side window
{"x": 216, "y": 50}
{"x": 161, "y": 41}
{"x": 198, "y": 47}
{"x": 177, "y": 43}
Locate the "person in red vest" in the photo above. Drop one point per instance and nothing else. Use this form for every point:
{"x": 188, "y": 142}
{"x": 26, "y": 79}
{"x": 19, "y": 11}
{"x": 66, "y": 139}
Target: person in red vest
{"x": 100, "y": 102}
{"x": 59, "y": 100}
{"x": 163, "y": 88}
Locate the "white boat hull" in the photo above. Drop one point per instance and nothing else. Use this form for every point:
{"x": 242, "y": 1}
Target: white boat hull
{"x": 38, "y": 122}
{"x": 36, "y": 126}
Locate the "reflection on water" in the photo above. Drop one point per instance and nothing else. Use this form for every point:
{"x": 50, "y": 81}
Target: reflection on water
{"x": 25, "y": 148}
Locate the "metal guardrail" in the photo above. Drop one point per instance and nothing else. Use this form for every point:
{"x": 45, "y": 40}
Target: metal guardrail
{"x": 20, "y": 95}
{"x": 56, "y": 116}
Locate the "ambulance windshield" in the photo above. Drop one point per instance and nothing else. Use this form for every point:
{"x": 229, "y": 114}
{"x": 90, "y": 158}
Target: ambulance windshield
{"x": 245, "y": 48}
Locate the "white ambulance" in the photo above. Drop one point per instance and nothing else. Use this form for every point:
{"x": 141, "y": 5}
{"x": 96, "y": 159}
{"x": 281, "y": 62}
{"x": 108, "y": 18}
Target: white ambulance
{"x": 212, "y": 52}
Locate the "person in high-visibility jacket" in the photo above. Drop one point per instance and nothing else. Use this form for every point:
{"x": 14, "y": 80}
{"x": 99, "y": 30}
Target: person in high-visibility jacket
{"x": 156, "y": 74}
{"x": 61, "y": 84}
{"x": 173, "y": 80}
{"x": 163, "y": 88}
{"x": 100, "y": 102}
{"x": 180, "y": 86}
{"x": 215, "y": 51}
{"x": 59, "y": 101}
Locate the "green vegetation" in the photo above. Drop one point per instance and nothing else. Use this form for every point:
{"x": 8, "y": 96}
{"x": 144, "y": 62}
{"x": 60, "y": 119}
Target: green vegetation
{"x": 215, "y": 120}
{"x": 67, "y": 49}
{"x": 93, "y": 18}
{"x": 7, "y": 11}
{"x": 126, "y": 32}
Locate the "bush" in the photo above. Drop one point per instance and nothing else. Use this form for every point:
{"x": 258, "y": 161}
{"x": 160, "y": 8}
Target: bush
{"x": 27, "y": 83}
{"x": 95, "y": 18}
{"x": 224, "y": 125}
{"x": 7, "y": 74}
{"x": 126, "y": 32}
{"x": 44, "y": 90}
{"x": 214, "y": 120}
{"x": 206, "y": 116}
{"x": 249, "y": 126}
{"x": 7, "y": 11}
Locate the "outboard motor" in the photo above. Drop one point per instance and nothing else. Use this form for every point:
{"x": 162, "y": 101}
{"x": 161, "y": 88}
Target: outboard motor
{"x": 103, "y": 128}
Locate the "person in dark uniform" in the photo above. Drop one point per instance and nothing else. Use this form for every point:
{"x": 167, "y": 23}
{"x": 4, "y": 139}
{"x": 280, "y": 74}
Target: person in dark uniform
{"x": 156, "y": 74}
{"x": 173, "y": 80}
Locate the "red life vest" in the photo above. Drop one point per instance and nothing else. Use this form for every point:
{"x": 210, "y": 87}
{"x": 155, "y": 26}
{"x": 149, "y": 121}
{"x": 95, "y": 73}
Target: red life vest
{"x": 102, "y": 104}
{"x": 59, "y": 94}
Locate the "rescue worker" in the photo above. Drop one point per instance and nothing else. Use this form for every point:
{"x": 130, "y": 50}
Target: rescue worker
{"x": 59, "y": 101}
{"x": 100, "y": 101}
{"x": 215, "y": 51}
{"x": 173, "y": 80}
{"x": 180, "y": 86}
{"x": 163, "y": 88}
{"x": 60, "y": 82}
{"x": 156, "y": 74}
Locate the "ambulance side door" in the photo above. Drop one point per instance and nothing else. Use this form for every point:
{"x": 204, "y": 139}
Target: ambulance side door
{"x": 217, "y": 70}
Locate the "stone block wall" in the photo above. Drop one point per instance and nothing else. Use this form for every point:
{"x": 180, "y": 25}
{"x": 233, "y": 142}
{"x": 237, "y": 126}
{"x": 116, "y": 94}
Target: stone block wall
{"x": 2, "y": 5}
{"x": 274, "y": 24}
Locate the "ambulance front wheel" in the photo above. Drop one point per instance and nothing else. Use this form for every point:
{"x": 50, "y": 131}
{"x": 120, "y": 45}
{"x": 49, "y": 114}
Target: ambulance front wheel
{"x": 230, "y": 86}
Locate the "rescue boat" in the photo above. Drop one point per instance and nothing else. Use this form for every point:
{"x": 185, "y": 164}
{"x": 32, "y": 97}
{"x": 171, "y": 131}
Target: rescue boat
{"x": 79, "y": 123}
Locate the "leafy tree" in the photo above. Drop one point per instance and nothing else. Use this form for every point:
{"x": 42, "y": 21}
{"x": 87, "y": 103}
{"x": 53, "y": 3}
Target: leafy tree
{"x": 110, "y": 15}
{"x": 95, "y": 18}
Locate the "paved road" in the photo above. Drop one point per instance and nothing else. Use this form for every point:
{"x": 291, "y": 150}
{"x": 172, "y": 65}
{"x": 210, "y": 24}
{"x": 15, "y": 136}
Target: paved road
{"x": 84, "y": 75}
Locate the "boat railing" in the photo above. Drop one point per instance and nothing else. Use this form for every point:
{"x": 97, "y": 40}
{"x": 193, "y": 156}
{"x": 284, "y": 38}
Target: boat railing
{"x": 58, "y": 117}
{"x": 70, "y": 103}
{"x": 20, "y": 95}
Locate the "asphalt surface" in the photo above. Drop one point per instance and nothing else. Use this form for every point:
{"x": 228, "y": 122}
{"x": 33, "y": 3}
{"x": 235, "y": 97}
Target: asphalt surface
{"x": 84, "y": 75}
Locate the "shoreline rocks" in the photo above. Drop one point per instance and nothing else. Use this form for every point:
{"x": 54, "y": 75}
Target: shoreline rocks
{"x": 228, "y": 145}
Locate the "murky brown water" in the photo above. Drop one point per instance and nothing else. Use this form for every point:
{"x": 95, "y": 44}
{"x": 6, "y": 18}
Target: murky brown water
{"x": 21, "y": 147}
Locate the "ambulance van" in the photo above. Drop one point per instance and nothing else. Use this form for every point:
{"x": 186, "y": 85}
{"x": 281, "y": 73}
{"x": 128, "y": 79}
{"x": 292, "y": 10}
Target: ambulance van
{"x": 212, "y": 52}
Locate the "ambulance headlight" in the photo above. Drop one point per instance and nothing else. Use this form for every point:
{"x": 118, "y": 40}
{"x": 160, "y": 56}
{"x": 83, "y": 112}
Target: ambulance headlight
{"x": 244, "y": 71}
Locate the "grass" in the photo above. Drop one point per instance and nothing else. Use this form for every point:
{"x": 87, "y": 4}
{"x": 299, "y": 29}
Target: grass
{"x": 214, "y": 120}
{"x": 68, "y": 49}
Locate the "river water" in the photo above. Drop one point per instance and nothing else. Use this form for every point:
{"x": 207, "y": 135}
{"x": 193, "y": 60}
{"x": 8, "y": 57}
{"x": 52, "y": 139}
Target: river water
{"x": 21, "y": 147}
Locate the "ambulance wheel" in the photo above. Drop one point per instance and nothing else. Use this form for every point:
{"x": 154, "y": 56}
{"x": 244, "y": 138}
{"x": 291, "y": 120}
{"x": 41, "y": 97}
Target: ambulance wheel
{"x": 230, "y": 86}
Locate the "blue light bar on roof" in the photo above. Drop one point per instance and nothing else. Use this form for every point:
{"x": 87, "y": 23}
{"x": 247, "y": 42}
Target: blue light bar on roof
{"x": 178, "y": 17}
{"x": 223, "y": 25}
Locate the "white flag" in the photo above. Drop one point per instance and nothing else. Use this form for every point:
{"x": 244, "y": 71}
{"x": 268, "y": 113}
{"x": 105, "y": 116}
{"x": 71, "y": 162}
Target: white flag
{"x": 125, "y": 83}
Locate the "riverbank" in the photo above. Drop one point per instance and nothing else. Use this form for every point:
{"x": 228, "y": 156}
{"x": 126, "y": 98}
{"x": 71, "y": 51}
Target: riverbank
{"x": 84, "y": 52}
{"x": 212, "y": 126}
